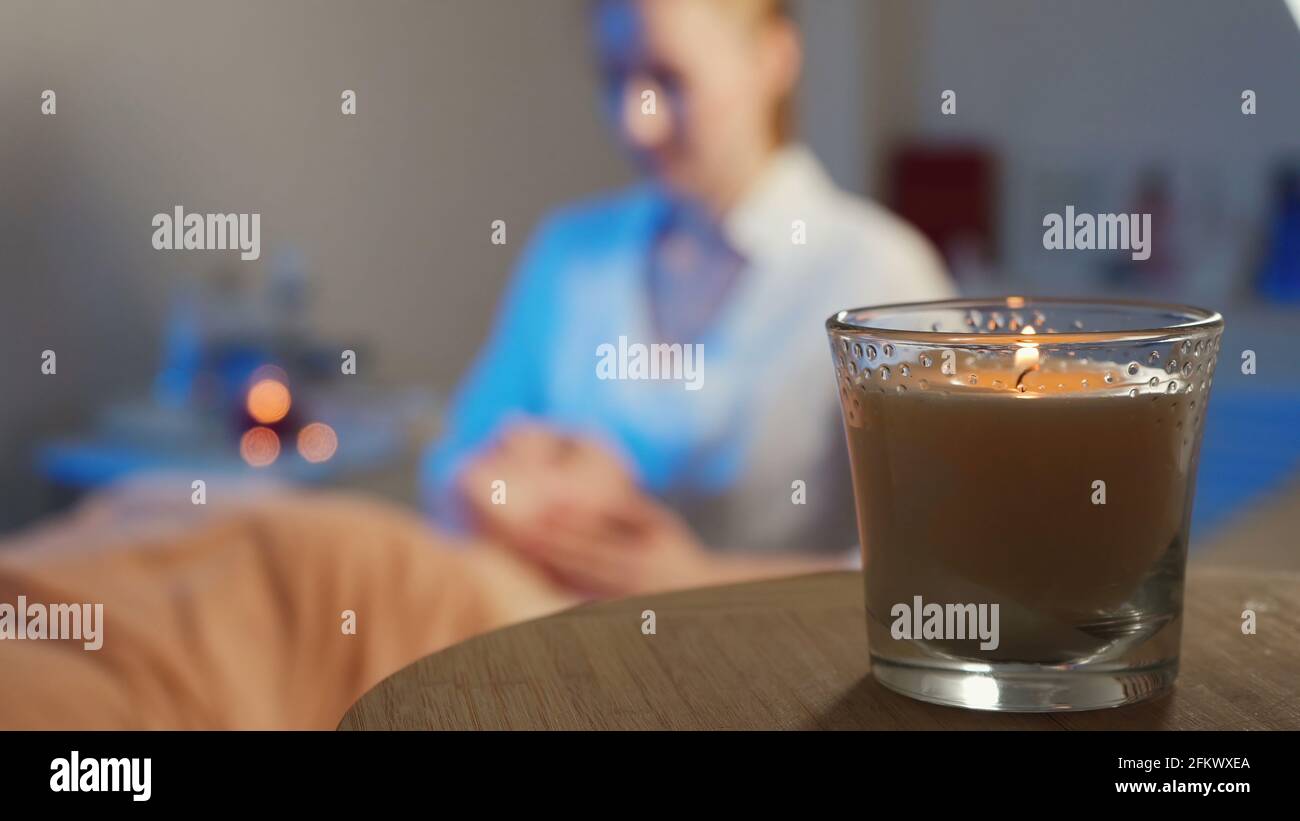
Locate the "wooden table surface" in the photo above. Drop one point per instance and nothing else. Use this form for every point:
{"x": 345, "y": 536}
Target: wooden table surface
{"x": 791, "y": 654}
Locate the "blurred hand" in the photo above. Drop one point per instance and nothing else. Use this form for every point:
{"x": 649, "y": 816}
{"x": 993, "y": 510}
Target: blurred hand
{"x": 571, "y": 507}
{"x": 543, "y": 471}
{"x": 639, "y": 546}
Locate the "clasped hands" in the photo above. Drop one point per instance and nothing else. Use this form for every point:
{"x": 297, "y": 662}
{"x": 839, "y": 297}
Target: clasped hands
{"x": 569, "y": 505}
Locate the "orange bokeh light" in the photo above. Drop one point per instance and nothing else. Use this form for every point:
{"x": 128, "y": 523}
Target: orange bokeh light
{"x": 259, "y": 447}
{"x": 268, "y": 401}
{"x": 317, "y": 442}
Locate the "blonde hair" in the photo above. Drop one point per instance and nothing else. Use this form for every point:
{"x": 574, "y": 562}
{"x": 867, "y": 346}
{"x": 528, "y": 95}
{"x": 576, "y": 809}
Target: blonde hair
{"x": 758, "y": 13}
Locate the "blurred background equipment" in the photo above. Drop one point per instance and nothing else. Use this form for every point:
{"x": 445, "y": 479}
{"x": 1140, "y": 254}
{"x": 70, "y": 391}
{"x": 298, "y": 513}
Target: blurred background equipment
{"x": 1279, "y": 278}
{"x": 245, "y": 385}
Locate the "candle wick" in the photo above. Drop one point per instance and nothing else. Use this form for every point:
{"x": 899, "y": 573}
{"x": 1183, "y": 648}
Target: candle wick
{"x": 1021, "y": 378}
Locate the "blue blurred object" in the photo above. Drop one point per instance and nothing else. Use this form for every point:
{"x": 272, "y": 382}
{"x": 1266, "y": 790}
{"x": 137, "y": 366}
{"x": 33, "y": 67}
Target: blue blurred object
{"x": 1251, "y": 447}
{"x": 1279, "y": 278}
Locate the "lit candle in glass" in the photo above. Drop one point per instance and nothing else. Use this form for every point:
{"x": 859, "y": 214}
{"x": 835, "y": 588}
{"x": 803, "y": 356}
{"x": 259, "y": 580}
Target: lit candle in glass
{"x": 1034, "y": 454}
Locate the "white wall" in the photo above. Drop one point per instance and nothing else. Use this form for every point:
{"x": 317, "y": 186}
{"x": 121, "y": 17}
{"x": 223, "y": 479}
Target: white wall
{"x": 834, "y": 98}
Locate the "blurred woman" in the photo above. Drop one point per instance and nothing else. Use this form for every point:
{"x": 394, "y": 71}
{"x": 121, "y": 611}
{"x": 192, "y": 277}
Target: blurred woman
{"x": 735, "y": 246}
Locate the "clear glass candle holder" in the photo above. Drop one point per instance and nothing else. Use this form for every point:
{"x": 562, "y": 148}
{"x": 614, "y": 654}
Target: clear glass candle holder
{"x": 1024, "y": 471}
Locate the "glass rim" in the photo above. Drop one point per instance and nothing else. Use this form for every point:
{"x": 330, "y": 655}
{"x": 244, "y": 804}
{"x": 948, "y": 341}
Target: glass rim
{"x": 1197, "y": 320}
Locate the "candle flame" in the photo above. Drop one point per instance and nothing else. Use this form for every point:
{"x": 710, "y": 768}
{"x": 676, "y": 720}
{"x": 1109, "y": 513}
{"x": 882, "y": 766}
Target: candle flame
{"x": 1026, "y": 354}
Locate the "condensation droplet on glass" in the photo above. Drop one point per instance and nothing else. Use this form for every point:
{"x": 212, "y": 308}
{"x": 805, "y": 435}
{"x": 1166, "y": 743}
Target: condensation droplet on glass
{"x": 1109, "y": 377}
{"x": 889, "y": 350}
{"x": 1153, "y": 357}
{"x": 884, "y": 373}
{"x": 974, "y": 379}
{"x": 1153, "y": 381}
{"x": 1133, "y": 392}
{"x": 857, "y": 349}
{"x": 1133, "y": 368}
{"x": 1171, "y": 366}
{"x": 871, "y": 352}
{"x": 926, "y": 361}
{"x": 1173, "y": 386}
{"x": 905, "y": 369}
